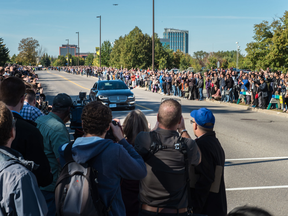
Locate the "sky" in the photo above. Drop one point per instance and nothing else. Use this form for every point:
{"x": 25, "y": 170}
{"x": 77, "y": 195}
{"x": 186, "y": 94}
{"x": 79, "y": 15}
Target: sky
{"x": 212, "y": 25}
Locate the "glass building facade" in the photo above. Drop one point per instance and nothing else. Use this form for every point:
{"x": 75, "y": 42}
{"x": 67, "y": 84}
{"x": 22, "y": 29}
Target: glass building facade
{"x": 178, "y": 39}
{"x": 64, "y": 50}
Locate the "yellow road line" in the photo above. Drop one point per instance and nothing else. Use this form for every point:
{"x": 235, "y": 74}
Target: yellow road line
{"x": 143, "y": 107}
{"x": 89, "y": 89}
{"x": 69, "y": 80}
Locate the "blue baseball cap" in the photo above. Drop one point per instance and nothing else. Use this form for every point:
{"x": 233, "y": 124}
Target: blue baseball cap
{"x": 202, "y": 117}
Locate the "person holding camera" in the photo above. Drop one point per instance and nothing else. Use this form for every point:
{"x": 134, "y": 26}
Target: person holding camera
{"x": 54, "y": 132}
{"x": 165, "y": 189}
{"x": 113, "y": 161}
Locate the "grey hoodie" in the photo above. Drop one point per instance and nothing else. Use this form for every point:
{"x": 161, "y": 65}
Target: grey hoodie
{"x": 20, "y": 194}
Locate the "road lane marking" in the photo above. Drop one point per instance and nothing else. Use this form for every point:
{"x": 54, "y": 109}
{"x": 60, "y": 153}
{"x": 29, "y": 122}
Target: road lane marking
{"x": 254, "y": 159}
{"x": 69, "y": 80}
{"x": 257, "y": 188}
{"x": 143, "y": 107}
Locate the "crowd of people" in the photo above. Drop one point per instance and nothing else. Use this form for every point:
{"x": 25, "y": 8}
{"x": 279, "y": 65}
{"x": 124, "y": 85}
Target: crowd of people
{"x": 253, "y": 88}
{"x": 146, "y": 171}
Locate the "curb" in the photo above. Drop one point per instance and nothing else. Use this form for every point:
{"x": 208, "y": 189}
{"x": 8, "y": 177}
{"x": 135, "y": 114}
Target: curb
{"x": 240, "y": 107}
{"x": 269, "y": 112}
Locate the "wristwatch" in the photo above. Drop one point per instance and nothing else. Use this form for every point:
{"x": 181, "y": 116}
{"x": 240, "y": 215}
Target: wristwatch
{"x": 182, "y": 131}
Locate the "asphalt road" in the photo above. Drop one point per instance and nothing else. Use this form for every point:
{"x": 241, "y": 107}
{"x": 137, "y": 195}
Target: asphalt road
{"x": 255, "y": 143}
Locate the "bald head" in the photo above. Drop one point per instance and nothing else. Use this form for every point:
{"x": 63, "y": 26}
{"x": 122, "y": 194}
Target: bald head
{"x": 169, "y": 114}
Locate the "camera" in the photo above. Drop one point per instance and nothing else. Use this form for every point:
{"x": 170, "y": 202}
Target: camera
{"x": 109, "y": 134}
{"x": 76, "y": 111}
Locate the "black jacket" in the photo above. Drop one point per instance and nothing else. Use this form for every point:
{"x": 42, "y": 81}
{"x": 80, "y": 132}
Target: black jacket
{"x": 208, "y": 196}
{"x": 229, "y": 82}
{"x": 29, "y": 142}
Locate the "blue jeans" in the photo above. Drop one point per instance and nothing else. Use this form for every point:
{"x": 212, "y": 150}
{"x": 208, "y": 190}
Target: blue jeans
{"x": 162, "y": 88}
{"x": 174, "y": 90}
{"x": 150, "y": 84}
{"x": 179, "y": 91}
{"x": 228, "y": 97}
{"x": 200, "y": 94}
{"x": 50, "y": 201}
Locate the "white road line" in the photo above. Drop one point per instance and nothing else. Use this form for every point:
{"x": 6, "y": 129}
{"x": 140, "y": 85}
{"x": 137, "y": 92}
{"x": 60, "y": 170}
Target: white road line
{"x": 254, "y": 159}
{"x": 257, "y": 188}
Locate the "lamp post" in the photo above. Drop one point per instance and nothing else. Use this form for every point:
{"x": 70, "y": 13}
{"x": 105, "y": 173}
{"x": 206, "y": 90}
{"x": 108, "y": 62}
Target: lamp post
{"x": 78, "y": 47}
{"x": 68, "y": 51}
{"x": 100, "y": 42}
{"x": 153, "y": 39}
{"x": 237, "y": 55}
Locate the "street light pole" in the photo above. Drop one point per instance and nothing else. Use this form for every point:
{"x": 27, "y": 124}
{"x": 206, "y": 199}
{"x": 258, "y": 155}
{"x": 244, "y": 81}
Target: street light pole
{"x": 100, "y": 43}
{"x": 153, "y": 40}
{"x": 237, "y": 55}
{"x": 68, "y": 51}
{"x": 78, "y": 47}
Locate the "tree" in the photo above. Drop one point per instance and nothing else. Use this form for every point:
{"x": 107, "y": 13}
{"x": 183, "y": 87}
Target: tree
{"x": 270, "y": 45}
{"x": 60, "y": 61}
{"x": 135, "y": 51}
{"x": 45, "y": 61}
{"x": 89, "y": 59}
{"x": 4, "y": 53}
{"x": 28, "y": 51}
{"x": 13, "y": 59}
{"x": 106, "y": 50}
{"x": 185, "y": 61}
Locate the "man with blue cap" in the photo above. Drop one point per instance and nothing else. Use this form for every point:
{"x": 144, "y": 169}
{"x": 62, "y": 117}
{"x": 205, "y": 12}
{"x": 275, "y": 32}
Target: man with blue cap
{"x": 207, "y": 179}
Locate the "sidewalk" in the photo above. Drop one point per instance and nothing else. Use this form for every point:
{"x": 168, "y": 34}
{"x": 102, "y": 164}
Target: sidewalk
{"x": 245, "y": 107}
{"x": 240, "y": 107}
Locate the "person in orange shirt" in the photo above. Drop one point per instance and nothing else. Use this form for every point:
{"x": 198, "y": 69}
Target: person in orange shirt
{"x": 133, "y": 78}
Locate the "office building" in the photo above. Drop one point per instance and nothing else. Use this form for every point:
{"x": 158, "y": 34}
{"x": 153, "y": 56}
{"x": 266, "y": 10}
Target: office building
{"x": 178, "y": 39}
{"x": 165, "y": 42}
{"x": 64, "y": 50}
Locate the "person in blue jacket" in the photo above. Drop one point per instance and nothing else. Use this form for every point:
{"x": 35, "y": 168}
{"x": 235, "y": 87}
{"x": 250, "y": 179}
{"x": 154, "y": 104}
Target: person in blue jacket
{"x": 113, "y": 161}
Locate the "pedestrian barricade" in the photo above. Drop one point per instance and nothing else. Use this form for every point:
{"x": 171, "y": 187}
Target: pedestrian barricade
{"x": 243, "y": 95}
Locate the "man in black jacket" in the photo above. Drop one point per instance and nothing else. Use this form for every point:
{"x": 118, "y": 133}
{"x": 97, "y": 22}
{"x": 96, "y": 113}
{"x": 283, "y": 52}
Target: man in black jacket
{"x": 207, "y": 179}
{"x": 229, "y": 84}
{"x": 263, "y": 89}
{"x": 28, "y": 140}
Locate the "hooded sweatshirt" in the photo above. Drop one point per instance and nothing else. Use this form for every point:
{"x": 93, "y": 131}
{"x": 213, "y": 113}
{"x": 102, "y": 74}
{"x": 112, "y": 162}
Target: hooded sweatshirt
{"x": 113, "y": 161}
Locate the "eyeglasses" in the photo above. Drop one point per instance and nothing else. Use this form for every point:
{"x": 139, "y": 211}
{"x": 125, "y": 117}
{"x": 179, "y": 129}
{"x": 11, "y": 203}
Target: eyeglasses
{"x": 192, "y": 122}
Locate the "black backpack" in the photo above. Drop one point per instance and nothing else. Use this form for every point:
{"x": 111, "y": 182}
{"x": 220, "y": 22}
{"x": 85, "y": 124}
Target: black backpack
{"x": 180, "y": 146}
{"x": 76, "y": 191}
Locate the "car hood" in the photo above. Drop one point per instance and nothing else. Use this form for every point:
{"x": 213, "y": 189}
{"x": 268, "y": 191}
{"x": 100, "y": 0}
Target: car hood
{"x": 126, "y": 92}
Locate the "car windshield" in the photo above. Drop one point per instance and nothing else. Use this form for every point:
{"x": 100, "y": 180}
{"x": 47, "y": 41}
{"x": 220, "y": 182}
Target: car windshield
{"x": 112, "y": 85}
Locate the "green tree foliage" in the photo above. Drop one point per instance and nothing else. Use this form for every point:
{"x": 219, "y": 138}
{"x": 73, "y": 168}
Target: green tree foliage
{"x": 201, "y": 57}
{"x": 89, "y": 59}
{"x": 270, "y": 45}
{"x": 13, "y": 59}
{"x": 45, "y": 60}
{"x": 106, "y": 50}
{"x": 177, "y": 58}
{"x": 4, "y": 53}
{"x": 135, "y": 51}
{"x": 185, "y": 62}
{"x": 60, "y": 61}
{"x": 28, "y": 51}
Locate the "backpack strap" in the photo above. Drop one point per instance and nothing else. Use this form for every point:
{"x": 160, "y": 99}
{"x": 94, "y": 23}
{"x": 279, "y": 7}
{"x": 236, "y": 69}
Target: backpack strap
{"x": 68, "y": 153}
{"x": 183, "y": 149}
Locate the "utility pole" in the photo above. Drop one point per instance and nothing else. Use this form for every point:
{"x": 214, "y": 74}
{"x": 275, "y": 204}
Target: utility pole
{"x": 237, "y": 55}
{"x": 68, "y": 51}
{"x": 153, "y": 40}
{"x": 78, "y": 47}
{"x": 100, "y": 42}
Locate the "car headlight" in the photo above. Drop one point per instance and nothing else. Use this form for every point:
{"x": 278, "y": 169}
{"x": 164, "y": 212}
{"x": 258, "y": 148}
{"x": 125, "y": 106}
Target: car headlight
{"x": 131, "y": 97}
{"x": 101, "y": 97}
